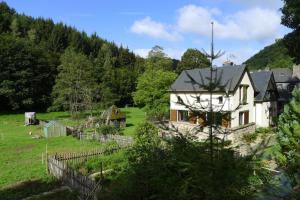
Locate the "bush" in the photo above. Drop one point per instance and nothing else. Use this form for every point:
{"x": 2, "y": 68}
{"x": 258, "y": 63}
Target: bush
{"x": 250, "y": 137}
{"x": 106, "y": 130}
{"x": 262, "y": 132}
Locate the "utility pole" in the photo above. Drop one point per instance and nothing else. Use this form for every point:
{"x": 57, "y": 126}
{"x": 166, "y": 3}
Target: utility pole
{"x": 210, "y": 94}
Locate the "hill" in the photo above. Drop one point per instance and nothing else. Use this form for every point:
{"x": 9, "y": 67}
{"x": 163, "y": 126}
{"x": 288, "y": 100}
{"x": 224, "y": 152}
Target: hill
{"x": 272, "y": 56}
{"x": 30, "y": 51}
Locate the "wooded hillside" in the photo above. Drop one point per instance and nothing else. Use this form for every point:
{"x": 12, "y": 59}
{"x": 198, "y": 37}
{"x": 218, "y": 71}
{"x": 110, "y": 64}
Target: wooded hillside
{"x": 30, "y": 51}
{"x": 272, "y": 56}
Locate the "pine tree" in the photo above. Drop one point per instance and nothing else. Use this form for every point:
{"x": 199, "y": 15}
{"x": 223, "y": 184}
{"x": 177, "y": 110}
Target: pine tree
{"x": 289, "y": 135}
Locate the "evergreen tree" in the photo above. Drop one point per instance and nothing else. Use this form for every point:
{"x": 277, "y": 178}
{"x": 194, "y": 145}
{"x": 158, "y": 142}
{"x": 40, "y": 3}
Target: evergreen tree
{"x": 6, "y": 15}
{"x": 26, "y": 74}
{"x": 291, "y": 19}
{"x": 51, "y": 40}
{"x": 289, "y": 135}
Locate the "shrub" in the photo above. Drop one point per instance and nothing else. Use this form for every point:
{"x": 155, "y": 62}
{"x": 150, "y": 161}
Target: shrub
{"x": 106, "y": 130}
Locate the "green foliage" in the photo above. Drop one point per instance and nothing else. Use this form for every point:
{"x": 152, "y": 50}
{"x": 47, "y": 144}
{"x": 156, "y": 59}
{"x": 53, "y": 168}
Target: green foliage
{"x": 108, "y": 130}
{"x": 192, "y": 58}
{"x": 74, "y": 84}
{"x": 31, "y": 53}
{"x": 151, "y": 92}
{"x": 273, "y": 56}
{"x": 291, "y": 19}
{"x": 156, "y": 167}
{"x": 291, "y": 14}
{"x": 5, "y": 17}
{"x": 158, "y": 60}
{"x": 26, "y": 74}
{"x": 289, "y": 134}
{"x": 259, "y": 132}
{"x": 249, "y": 138}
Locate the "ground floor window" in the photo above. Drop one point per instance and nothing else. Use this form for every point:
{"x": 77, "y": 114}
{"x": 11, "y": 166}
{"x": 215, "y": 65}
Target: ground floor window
{"x": 244, "y": 117}
{"x": 183, "y": 115}
{"x": 216, "y": 118}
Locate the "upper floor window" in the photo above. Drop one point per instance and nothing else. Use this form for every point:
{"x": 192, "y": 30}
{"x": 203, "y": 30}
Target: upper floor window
{"x": 220, "y": 99}
{"x": 179, "y": 100}
{"x": 243, "y": 94}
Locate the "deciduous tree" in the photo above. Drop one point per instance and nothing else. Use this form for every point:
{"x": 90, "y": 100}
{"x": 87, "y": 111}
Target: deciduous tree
{"x": 191, "y": 59}
{"x": 152, "y": 92}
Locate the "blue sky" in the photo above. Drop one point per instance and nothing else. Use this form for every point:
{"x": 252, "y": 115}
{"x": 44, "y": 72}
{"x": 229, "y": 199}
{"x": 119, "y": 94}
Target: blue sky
{"x": 242, "y": 27}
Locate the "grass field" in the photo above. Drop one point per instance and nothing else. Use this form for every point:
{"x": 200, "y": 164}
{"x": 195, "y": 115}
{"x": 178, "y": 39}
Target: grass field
{"x": 21, "y": 155}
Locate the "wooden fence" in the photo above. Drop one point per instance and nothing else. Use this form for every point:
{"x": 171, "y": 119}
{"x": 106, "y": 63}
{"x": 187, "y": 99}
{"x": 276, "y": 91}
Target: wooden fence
{"x": 83, "y": 156}
{"x": 58, "y": 166}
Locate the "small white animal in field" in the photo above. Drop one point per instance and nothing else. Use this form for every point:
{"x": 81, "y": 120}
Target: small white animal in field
{"x": 30, "y": 133}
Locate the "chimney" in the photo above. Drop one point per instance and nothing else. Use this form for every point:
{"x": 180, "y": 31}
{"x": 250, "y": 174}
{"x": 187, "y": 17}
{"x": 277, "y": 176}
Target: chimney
{"x": 228, "y": 63}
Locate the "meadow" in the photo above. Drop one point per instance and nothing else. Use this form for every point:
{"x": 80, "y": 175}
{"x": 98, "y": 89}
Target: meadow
{"x": 22, "y": 154}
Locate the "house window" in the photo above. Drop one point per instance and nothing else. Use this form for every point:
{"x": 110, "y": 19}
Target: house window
{"x": 216, "y": 118}
{"x": 220, "y": 100}
{"x": 226, "y": 120}
{"x": 244, "y": 118}
{"x": 243, "y": 94}
{"x": 241, "y": 118}
{"x": 198, "y": 99}
{"x": 179, "y": 100}
{"x": 183, "y": 115}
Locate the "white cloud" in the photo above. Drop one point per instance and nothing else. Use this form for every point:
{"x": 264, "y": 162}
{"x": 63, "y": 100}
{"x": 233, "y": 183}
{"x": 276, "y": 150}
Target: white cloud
{"x": 142, "y": 52}
{"x": 255, "y": 23}
{"x": 149, "y": 27}
{"x": 174, "y": 53}
{"x": 171, "y": 52}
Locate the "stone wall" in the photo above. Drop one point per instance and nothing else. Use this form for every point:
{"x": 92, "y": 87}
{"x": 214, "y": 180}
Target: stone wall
{"x": 233, "y": 134}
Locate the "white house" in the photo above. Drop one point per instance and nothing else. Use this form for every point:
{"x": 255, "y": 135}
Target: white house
{"x": 266, "y": 100}
{"x": 234, "y": 103}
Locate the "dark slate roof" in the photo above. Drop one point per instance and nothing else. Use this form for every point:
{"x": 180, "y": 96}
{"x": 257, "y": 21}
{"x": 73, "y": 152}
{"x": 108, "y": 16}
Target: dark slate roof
{"x": 195, "y": 79}
{"x": 283, "y": 75}
{"x": 261, "y": 81}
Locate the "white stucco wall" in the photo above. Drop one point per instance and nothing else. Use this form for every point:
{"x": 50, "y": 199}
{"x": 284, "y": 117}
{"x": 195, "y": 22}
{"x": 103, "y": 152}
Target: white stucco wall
{"x": 247, "y": 107}
{"x": 263, "y": 117}
{"x": 230, "y": 103}
{"x": 190, "y": 99}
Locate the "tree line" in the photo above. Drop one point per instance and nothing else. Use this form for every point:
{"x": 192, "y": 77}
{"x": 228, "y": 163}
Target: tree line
{"x": 39, "y": 59}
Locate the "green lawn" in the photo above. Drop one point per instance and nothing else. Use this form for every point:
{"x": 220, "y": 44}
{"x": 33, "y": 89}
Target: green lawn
{"x": 134, "y": 116}
{"x": 21, "y": 155}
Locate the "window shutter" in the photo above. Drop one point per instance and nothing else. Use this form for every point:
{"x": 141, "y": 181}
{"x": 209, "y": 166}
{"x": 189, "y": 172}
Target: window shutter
{"x": 173, "y": 115}
{"x": 246, "y": 117}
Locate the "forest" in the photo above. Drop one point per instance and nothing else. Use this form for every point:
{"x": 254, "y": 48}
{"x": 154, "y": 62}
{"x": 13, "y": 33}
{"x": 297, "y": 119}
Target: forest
{"x": 32, "y": 51}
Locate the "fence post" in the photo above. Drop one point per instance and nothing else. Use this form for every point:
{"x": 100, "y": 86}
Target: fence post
{"x": 47, "y": 170}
